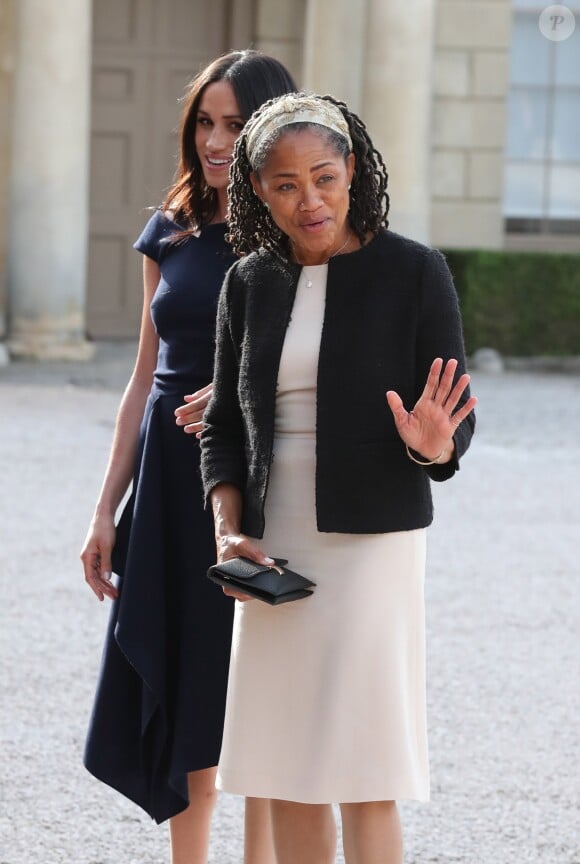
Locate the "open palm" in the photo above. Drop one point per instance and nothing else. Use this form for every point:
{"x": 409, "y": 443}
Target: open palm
{"x": 429, "y": 427}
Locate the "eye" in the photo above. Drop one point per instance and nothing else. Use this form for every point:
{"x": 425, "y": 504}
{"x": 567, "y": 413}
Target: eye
{"x": 286, "y": 187}
{"x": 326, "y": 178}
{"x": 236, "y": 126}
{"x": 204, "y": 121}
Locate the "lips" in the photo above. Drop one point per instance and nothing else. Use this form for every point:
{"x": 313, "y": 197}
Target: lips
{"x": 315, "y": 225}
{"x": 215, "y": 163}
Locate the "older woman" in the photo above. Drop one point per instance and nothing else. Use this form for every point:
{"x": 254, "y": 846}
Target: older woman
{"x": 328, "y": 332}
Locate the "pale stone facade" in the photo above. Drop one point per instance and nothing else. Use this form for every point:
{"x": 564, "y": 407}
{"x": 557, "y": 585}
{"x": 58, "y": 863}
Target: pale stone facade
{"x": 279, "y": 31}
{"x": 430, "y": 79}
{"x": 472, "y": 39}
{"x": 7, "y": 64}
{"x": 48, "y": 199}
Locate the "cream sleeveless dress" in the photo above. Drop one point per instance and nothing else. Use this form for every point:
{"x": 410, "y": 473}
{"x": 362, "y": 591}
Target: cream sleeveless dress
{"x": 326, "y": 696}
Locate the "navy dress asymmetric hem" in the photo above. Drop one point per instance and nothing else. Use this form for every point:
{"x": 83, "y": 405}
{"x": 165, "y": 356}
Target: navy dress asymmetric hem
{"x": 159, "y": 707}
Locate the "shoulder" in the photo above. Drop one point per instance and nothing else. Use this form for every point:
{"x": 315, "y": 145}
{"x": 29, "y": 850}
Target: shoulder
{"x": 403, "y": 256}
{"x": 258, "y": 273}
{"x": 255, "y": 268}
{"x": 403, "y": 248}
{"x": 157, "y": 234}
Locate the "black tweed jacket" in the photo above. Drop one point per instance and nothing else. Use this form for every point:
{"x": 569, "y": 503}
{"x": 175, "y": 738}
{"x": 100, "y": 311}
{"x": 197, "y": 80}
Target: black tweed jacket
{"x": 391, "y": 308}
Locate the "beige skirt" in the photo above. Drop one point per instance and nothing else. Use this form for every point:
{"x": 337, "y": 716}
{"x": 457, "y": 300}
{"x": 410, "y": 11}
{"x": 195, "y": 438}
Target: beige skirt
{"x": 326, "y": 696}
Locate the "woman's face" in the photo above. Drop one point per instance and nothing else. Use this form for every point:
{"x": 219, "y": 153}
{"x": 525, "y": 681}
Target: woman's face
{"x": 218, "y": 125}
{"x": 305, "y": 183}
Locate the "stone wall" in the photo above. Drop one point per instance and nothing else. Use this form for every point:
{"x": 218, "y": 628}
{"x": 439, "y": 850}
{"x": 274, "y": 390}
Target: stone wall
{"x": 279, "y": 31}
{"x": 7, "y": 63}
{"x": 471, "y": 78}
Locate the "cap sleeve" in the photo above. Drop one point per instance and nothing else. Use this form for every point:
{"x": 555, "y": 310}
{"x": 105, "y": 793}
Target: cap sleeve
{"x": 154, "y": 238}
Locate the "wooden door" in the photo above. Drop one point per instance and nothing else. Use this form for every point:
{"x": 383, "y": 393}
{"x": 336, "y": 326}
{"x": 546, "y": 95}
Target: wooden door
{"x": 144, "y": 53}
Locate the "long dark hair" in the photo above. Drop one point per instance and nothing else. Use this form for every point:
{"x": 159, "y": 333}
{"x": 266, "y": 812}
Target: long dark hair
{"x": 254, "y": 78}
{"x": 251, "y": 226}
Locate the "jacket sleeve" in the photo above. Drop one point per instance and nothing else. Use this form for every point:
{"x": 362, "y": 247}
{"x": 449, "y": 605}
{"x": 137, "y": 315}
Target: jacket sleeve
{"x": 223, "y": 439}
{"x": 440, "y": 334}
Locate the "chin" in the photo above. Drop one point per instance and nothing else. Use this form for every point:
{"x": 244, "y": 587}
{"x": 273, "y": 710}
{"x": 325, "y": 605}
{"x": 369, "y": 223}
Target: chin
{"x": 214, "y": 183}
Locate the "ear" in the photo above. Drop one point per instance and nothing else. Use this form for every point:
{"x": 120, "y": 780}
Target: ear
{"x": 350, "y": 163}
{"x": 257, "y": 186}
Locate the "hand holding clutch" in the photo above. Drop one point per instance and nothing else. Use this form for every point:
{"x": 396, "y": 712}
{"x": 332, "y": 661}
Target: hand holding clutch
{"x": 274, "y": 584}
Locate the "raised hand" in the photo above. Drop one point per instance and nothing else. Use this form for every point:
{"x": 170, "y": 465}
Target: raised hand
{"x": 190, "y": 415}
{"x": 429, "y": 427}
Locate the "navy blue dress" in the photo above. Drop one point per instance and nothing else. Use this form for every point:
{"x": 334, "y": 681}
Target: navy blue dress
{"x": 160, "y": 701}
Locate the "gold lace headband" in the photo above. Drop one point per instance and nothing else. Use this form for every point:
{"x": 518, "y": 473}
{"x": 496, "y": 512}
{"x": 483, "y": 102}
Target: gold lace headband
{"x": 294, "y": 109}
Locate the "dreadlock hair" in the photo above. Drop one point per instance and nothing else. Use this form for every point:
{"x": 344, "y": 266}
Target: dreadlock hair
{"x": 251, "y": 226}
{"x": 254, "y": 78}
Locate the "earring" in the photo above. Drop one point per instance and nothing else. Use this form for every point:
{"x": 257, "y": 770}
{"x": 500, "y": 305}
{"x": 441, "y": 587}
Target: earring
{"x": 348, "y": 188}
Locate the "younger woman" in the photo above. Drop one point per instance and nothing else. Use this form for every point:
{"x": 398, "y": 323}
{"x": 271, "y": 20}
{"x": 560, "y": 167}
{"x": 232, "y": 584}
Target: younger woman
{"x": 156, "y": 728}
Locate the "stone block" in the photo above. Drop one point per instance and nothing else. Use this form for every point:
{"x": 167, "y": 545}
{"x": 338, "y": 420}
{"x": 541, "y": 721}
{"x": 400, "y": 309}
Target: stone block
{"x": 7, "y": 63}
{"x": 467, "y": 225}
{"x": 452, "y": 73}
{"x": 287, "y": 52}
{"x": 448, "y": 174}
{"x": 280, "y": 19}
{"x": 459, "y": 123}
{"x": 473, "y": 24}
{"x": 490, "y": 73}
{"x": 485, "y": 174}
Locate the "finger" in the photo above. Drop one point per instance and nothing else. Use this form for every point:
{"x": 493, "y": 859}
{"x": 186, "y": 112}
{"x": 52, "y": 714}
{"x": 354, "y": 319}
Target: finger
{"x": 200, "y": 395}
{"x": 99, "y": 580}
{"x": 107, "y": 589}
{"x": 97, "y": 571}
{"x": 457, "y": 392}
{"x": 255, "y": 555}
{"x": 464, "y": 411}
{"x": 395, "y": 403}
{"x": 445, "y": 382}
{"x": 90, "y": 561}
{"x": 236, "y": 545}
{"x": 193, "y": 415}
{"x": 432, "y": 382}
{"x": 194, "y": 428}
{"x": 203, "y": 391}
{"x": 193, "y": 405}
{"x": 229, "y": 592}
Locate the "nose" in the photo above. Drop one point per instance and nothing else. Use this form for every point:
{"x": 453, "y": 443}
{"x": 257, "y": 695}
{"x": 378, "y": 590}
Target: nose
{"x": 310, "y": 199}
{"x": 217, "y": 139}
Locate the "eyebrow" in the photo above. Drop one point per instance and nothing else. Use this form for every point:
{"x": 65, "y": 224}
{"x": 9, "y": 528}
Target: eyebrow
{"x": 225, "y": 116}
{"x": 294, "y": 174}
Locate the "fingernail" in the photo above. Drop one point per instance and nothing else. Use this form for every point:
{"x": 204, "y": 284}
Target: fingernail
{"x": 269, "y": 560}
{"x": 107, "y": 575}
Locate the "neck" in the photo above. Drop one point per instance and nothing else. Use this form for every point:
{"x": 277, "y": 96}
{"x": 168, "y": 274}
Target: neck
{"x": 222, "y": 205}
{"x": 311, "y": 259}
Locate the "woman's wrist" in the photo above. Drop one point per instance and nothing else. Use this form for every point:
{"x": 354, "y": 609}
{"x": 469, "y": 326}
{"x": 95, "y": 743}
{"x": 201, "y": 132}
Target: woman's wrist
{"x": 226, "y": 506}
{"x": 445, "y": 455}
{"x": 104, "y": 511}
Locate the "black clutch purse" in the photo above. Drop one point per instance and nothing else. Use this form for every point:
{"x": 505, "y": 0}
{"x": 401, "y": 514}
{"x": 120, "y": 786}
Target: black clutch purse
{"x": 274, "y": 584}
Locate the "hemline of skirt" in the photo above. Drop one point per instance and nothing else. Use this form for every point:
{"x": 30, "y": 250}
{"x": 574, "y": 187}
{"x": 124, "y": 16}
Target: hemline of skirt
{"x": 280, "y": 789}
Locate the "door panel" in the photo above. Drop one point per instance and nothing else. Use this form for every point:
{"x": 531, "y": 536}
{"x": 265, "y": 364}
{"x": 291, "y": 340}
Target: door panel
{"x": 144, "y": 53}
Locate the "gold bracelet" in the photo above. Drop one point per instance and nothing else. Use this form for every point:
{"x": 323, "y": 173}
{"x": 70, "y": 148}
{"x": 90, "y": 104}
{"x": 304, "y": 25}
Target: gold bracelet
{"x": 418, "y": 461}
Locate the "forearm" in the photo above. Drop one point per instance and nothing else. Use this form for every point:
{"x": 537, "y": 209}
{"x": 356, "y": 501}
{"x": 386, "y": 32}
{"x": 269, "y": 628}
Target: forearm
{"x": 226, "y": 502}
{"x": 121, "y": 462}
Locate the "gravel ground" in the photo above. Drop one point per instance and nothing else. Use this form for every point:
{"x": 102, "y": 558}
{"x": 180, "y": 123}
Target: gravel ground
{"x": 503, "y": 601}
